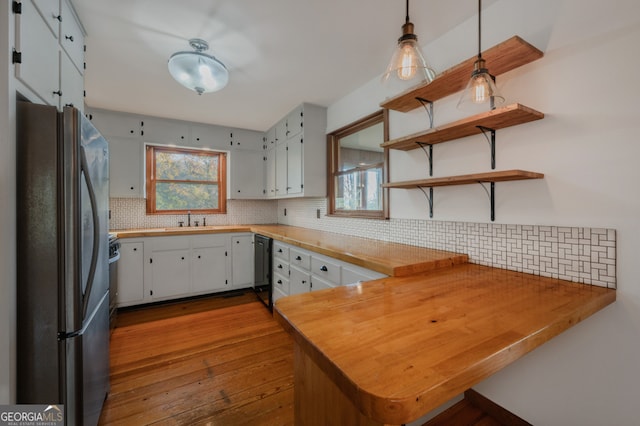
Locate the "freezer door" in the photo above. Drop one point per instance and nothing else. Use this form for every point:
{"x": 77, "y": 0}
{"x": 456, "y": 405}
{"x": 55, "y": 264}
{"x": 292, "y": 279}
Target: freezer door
{"x": 87, "y": 368}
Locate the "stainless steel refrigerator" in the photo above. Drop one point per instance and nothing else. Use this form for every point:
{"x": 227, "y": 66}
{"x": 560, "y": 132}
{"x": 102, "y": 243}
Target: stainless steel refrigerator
{"x": 63, "y": 267}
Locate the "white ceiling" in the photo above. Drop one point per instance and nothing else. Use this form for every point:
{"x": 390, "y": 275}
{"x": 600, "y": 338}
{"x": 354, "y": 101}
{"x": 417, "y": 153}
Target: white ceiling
{"x": 280, "y": 53}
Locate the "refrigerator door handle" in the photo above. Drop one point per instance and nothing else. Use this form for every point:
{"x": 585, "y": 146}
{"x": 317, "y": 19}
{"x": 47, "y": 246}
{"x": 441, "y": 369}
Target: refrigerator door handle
{"x": 96, "y": 231}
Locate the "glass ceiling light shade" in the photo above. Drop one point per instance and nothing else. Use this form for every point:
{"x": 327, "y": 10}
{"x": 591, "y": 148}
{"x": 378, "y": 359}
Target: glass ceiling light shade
{"x": 198, "y": 71}
{"x": 408, "y": 66}
{"x": 481, "y": 88}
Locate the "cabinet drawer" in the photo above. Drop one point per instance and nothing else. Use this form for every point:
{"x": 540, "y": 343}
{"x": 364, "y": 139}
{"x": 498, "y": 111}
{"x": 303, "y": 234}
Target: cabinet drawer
{"x": 299, "y": 258}
{"x": 326, "y": 269}
{"x": 299, "y": 281}
{"x": 280, "y": 251}
{"x": 280, "y": 267}
{"x": 280, "y": 283}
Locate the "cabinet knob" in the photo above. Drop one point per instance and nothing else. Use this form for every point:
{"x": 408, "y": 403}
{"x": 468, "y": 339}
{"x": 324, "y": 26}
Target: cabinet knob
{"x": 304, "y": 281}
{"x": 199, "y": 257}
{"x": 279, "y": 266}
{"x": 279, "y": 250}
{"x": 182, "y": 258}
{"x": 135, "y": 249}
{"x": 70, "y": 38}
{"x": 323, "y": 268}
{"x": 58, "y": 92}
{"x": 298, "y": 258}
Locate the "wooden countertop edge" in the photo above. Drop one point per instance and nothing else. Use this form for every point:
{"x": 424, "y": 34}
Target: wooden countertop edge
{"x": 359, "y": 259}
{"x": 403, "y": 410}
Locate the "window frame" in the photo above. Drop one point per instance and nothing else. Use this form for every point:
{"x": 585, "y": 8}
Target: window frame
{"x": 333, "y": 162}
{"x": 150, "y": 181}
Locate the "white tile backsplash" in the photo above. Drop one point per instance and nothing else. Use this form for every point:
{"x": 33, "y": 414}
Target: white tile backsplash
{"x": 585, "y": 255}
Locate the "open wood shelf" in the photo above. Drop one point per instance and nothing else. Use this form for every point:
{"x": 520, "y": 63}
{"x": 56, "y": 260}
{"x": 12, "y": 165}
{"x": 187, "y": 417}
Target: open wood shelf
{"x": 499, "y": 176}
{"x": 498, "y": 118}
{"x": 503, "y": 57}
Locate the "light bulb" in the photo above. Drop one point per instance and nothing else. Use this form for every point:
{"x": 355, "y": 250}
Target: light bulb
{"x": 481, "y": 89}
{"x": 407, "y": 66}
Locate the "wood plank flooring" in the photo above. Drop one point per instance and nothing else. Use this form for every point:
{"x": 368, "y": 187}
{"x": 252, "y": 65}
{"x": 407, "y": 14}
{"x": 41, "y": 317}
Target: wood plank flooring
{"x": 211, "y": 361}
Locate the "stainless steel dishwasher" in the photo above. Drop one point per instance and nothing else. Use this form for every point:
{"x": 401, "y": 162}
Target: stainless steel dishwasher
{"x": 262, "y": 279}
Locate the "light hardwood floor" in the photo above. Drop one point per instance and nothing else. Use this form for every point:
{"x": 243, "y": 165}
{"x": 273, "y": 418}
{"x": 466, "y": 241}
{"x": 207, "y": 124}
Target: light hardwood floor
{"x": 212, "y": 361}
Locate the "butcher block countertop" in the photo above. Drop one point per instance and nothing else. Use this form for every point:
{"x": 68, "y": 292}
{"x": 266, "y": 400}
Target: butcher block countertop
{"x": 391, "y": 259}
{"x": 396, "y": 348}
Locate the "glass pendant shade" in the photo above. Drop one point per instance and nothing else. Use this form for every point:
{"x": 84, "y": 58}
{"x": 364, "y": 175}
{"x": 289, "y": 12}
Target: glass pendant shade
{"x": 198, "y": 71}
{"x": 481, "y": 89}
{"x": 407, "y": 66}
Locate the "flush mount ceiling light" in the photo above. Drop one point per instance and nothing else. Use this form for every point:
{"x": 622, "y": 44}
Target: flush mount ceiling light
{"x": 407, "y": 65}
{"x": 198, "y": 71}
{"x": 481, "y": 88}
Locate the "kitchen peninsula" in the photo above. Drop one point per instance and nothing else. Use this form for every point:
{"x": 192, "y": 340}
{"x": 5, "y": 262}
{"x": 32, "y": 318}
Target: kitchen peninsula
{"x": 390, "y": 350}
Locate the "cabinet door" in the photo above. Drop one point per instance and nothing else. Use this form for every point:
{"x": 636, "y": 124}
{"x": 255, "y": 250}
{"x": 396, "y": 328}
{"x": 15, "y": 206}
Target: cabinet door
{"x": 71, "y": 36}
{"x": 117, "y": 125}
{"x": 294, "y": 166}
{"x": 39, "y": 69}
{"x": 130, "y": 274}
{"x": 242, "y": 255}
{"x": 270, "y": 172}
{"x": 247, "y": 174}
{"x": 299, "y": 281}
{"x": 281, "y": 131}
{"x": 50, "y": 11}
{"x": 245, "y": 139}
{"x": 209, "y": 136}
{"x": 270, "y": 137}
{"x": 281, "y": 169}
{"x": 170, "y": 273}
{"x": 165, "y": 131}
{"x": 294, "y": 122}
{"x": 209, "y": 269}
{"x": 71, "y": 84}
{"x": 318, "y": 283}
{"x": 125, "y": 168}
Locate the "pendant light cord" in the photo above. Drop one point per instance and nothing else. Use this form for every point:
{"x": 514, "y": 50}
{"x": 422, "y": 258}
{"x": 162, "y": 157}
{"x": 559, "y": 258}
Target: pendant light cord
{"x": 479, "y": 28}
{"x": 406, "y": 19}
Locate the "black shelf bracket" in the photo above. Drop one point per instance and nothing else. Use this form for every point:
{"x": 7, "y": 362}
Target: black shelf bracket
{"x": 491, "y": 193}
{"x": 428, "y": 107}
{"x": 490, "y": 135}
{"x": 428, "y": 150}
{"x": 429, "y": 198}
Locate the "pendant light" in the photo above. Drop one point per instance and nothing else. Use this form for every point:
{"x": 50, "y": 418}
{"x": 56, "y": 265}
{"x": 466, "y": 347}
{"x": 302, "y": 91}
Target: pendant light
{"x": 481, "y": 88}
{"x": 198, "y": 71}
{"x": 408, "y": 66}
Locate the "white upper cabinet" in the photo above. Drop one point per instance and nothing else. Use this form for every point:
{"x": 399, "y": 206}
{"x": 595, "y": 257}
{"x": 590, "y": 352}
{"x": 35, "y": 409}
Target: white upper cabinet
{"x": 295, "y": 122}
{"x": 158, "y": 130}
{"x": 71, "y": 84}
{"x": 301, "y": 157}
{"x": 47, "y": 63}
{"x": 37, "y": 45}
{"x": 247, "y": 174}
{"x": 126, "y": 176}
{"x": 204, "y": 136}
{"x": 117, "y": 124}
{"x": 270, "y": 172}
{"x": 71, "y": 36}
{"x": 245, "y": 139}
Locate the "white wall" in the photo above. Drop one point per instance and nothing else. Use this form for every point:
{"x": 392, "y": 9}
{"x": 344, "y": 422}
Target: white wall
{"x": 7, "y": 214}
{"x": 587, "y": 146}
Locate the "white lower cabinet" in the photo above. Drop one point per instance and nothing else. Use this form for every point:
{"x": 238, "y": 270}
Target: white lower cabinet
{"x": 169, "y": 267}
{"x": 209, "y": 263}
{"x": 297, "y": 270}
{"x": 242, "y": 260}
{"x": 153, "y": 269}
{"x": 299, "y": 280}
{"x": 130, "y": 273}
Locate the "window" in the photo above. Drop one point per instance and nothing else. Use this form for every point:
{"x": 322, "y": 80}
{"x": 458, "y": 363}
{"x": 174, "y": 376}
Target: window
{"x": 358, "y": 168}
{"x": 181, "y": 180}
